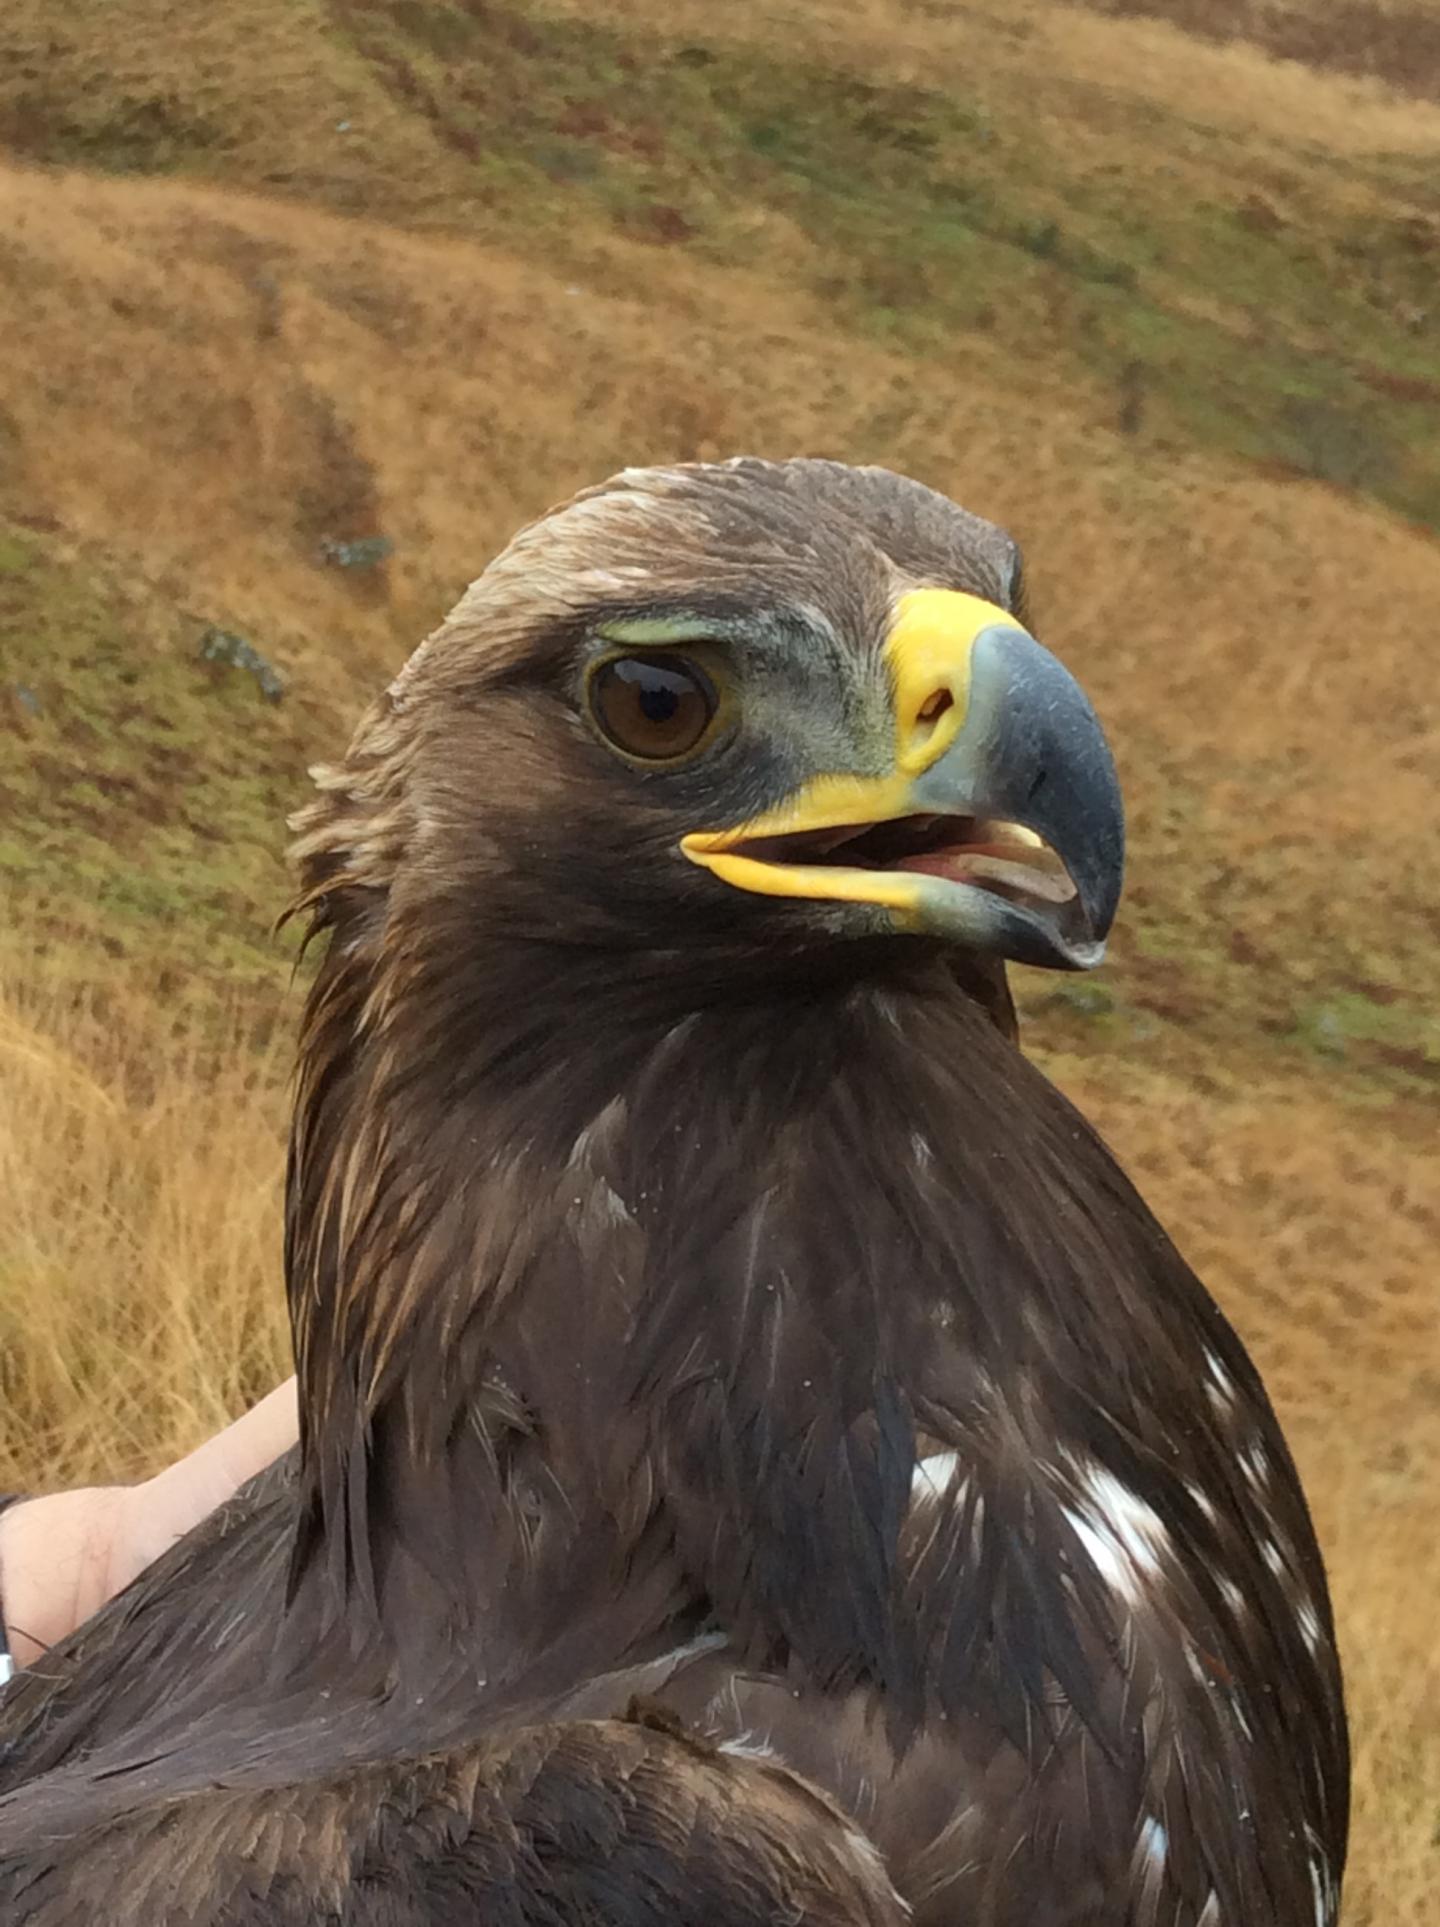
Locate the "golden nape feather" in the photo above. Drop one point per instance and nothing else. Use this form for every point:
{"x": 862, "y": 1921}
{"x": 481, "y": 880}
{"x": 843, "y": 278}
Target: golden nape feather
{"x": 760, "y": 1457}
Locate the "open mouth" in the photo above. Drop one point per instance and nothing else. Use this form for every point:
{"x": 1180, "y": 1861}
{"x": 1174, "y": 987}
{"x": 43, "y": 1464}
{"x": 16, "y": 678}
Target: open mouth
{"x": 988, "y": 882}
{"x": 990, "y": 854}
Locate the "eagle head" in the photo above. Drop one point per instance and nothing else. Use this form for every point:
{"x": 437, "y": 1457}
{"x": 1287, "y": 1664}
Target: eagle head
{"x": 735, "y": 712}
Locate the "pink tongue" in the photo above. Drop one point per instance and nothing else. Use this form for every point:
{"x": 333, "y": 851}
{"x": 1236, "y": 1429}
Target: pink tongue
{"x": 978, "y": 863}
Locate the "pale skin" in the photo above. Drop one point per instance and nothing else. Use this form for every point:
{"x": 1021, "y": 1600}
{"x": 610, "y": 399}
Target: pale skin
{"x": 64, "y": 1554}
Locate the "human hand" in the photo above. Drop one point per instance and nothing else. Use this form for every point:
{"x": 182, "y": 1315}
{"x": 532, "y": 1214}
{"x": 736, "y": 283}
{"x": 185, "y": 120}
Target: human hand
{"x": 64, "y": 1554}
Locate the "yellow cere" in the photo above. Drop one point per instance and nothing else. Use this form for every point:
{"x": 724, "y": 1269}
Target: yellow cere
{"x": 928, "y": 651}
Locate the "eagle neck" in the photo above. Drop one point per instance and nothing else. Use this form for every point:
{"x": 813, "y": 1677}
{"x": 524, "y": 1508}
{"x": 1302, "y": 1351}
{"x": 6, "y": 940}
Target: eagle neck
{"x": 714, "y": 1269}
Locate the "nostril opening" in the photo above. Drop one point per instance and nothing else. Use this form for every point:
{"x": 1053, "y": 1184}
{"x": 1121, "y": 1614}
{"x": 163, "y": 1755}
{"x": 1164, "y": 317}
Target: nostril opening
{"x": 934, "y": 706}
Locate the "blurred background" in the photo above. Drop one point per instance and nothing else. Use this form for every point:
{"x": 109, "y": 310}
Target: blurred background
{"x": 306, "y": 304}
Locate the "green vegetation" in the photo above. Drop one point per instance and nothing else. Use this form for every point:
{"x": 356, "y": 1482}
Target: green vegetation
{"x": 143, "y": 816}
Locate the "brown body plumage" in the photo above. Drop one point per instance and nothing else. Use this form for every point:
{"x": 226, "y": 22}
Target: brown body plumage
{"x": 697, "y": 1297}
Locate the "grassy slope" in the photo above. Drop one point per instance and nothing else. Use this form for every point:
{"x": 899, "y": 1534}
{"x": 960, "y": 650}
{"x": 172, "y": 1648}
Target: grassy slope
{"x": 1258, "y": 294}
{"x": 1080, "y": 273}
{"x": 1397, "y": 41}
{"x": 140, "y": 813}
{"x": 213, "y": 386}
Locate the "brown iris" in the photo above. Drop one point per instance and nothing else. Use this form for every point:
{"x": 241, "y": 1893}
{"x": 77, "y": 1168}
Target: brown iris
{"x": 655, "y": 708}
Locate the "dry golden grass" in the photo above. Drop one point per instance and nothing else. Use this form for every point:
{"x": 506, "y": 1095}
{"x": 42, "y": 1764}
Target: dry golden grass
{"x": 1397, "y": 41}
{"x": 184, "y": 366}
{"x": 1056, "y": 54}
{"x": 197, "y": 384}
{"x": 141, "y": 1165}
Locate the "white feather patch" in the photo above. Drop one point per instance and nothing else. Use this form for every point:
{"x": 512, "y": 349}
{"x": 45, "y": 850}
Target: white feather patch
{"x": 748, "y": 1746}
{"x": 932, "y": 1475}
{"x": 1309, "y": 1619}
{"x": 1220, "y": 1387}
{"x": 1322, "y": 1885}
{"x": 1123, "y": 1537}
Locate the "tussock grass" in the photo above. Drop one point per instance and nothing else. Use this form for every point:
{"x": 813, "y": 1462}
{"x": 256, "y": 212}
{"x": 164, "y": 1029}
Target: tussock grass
{"x": 1384, "y": 1567}
{"x": 1397, "y": 41}
{"x": 141, "y": 1164}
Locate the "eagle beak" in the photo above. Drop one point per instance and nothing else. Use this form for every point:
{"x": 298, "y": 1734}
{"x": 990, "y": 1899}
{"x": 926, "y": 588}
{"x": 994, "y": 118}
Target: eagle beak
{"x": 998, "y": 823}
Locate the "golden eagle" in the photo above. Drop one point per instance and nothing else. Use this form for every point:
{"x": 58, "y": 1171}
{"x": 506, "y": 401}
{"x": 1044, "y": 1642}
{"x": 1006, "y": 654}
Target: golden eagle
{"x": 760, "y": 1458}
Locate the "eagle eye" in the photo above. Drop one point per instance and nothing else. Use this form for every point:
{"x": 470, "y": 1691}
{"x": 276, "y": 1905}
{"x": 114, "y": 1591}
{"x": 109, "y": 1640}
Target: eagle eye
{"x": 654, "y": 708}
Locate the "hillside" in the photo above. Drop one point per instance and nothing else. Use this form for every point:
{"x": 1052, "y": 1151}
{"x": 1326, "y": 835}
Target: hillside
{"x": 305, "y": 306}
{"x": 141, "y": 810}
